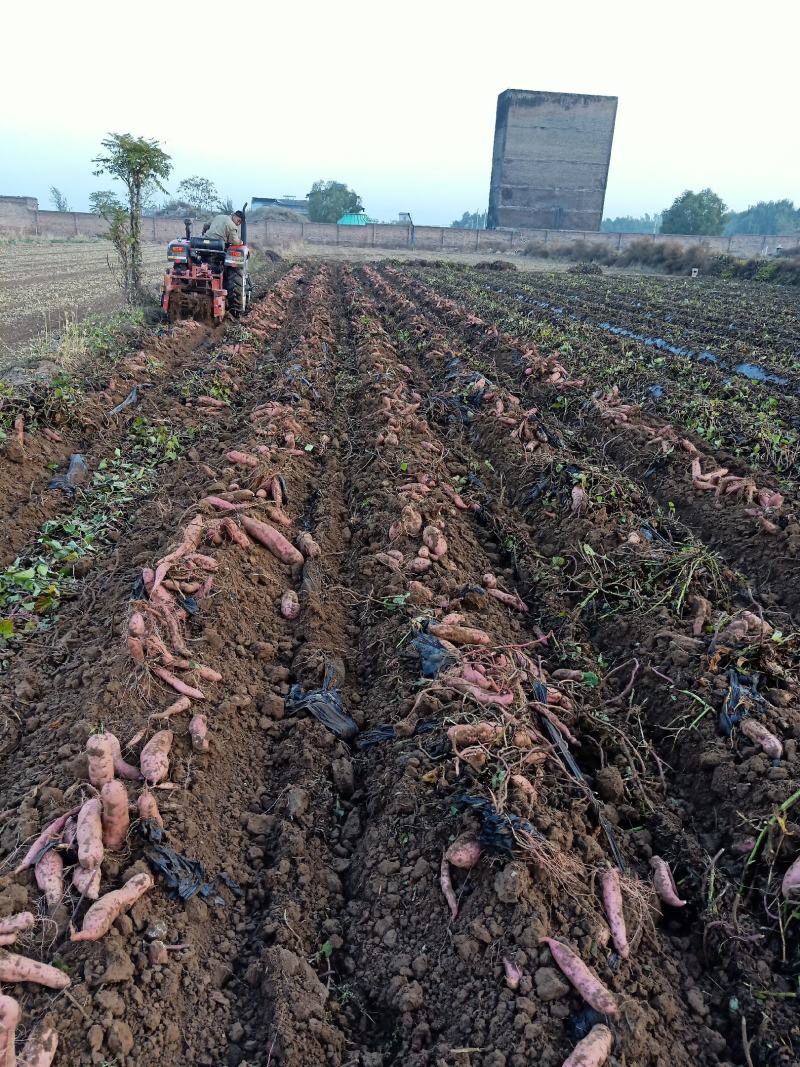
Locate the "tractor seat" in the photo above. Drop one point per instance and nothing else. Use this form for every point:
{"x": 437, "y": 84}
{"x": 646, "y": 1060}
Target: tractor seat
{"x": 207, "y": 244}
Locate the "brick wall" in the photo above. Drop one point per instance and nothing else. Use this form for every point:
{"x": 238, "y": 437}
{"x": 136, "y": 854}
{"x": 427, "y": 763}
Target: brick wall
{"x": 20, "y": 217}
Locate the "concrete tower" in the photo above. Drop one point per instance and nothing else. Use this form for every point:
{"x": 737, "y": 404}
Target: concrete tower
{"x": 550, "y": 162}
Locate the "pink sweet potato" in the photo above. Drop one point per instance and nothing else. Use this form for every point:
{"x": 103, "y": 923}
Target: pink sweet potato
{"x": 177, "y": 684}
{"x": 9, "y": 1021}
{"x": 123, "y": 769}
{"x": 40, "y": 1048}
{"x": 761, "y": 736}
{"x": 791, "y": 880}
{"x": 513, "y": 974}
{"x": 460, "y": 635}
{"x": 290, "y": 605}
{"x": 178, "y": 706}
{"x": 308, "y": 546}
{"x": 665, "y": 883}
{"x": 101, "y": 760}
{"x": 136, "y": 624}
{"x": 592, "y": 1050}
{"x": 242, "y": 459}
{"x": 434, "y": 541}
{"x": 473, "y": 733}
{"x": 147, "y": 807}
{"x": 272, "y": 539}
{"x": 136, "y": 649}
{"x": 14, "y": 968}
{"x": 50, "y": 833}
{"x": 114, "y": 815}
{"x": 90, "y": 834}
{"x": 447, "y": 886}
{"x": 154, "y": 757}
{"x": 87, "y": 882}
{"x": 612, "y": 901}
{"x": 584, "y": 980}
{"x": 49, "y": 874}
{"x": 198, "y": 731}
{"x": 464, "y": 852}
{"x": 102, "y": 914}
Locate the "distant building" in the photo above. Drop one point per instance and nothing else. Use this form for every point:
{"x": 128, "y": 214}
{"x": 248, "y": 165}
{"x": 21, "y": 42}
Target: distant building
{"x": 354, "y": 218}
{"x": 550, "y": 160}
{"x": 300, "y": 206}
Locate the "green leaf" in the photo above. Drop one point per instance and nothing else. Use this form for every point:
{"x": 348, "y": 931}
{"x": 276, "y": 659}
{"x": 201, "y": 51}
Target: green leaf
{"x": 327, "y": 950}
{"x": 591, "y": 679}
{"x": 308, "y": 448}
{"x": 6, "y": 628}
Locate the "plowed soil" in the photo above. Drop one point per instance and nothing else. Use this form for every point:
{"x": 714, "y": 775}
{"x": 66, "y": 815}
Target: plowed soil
{"x": 620, "y": 682}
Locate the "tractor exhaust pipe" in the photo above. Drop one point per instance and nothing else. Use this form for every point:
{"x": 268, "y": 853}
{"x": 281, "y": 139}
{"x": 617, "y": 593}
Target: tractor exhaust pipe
{"x": 188, "y": 224}
{"x": 244, "y": 224}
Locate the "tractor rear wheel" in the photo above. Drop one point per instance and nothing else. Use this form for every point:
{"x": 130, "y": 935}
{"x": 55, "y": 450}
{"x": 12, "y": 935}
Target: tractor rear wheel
{"x": 238, "y": 286}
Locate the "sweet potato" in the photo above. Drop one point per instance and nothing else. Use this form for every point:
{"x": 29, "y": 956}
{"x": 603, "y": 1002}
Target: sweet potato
{"x": 665, "y": 883}
{"x": 242, "y": 459}
{"x": 447, "y": 886}
{"x": 791, "y": 880}
{"x": 40, "y": 1048}
{"x": 308, "y": 546}
{"x": 513, "y": 974}
{"x": 87, "y": 882}
{"x": 49, "y": 874}
{"x": 224, "y": 505}
{"x": 434, "y": 541}
{"x": 90, "y": 834}
{"x": 101, "y": 760}
{"x": 198, "y": 731}
{"x": 592, "y": 1050}
{"x": 290, "y": 605}
{"x": 9, "y": 1021}
{"x": 272, "y": 539}
{"x": 408, "y": 525}
{"x": 178, "y": 706}
{"x": 459, "y": 635}
{"x": 512, "y": 600}
{"x": 123, "y": 769}
{"x": 13, "y": 926}
{"x": 114, "y": 815}
{"x": 464, "y": 852}
{"x": 418, "y": 565}
{"x": 177, "y": 684}
{"x": 473, "y": 733}
{"x": 102, "y": 914}
{"x": 14, "y": 968}
{"x": 154, "y": 757}
{"x": 581, "y": 977}
{"x": 136, "y": 649}
{"x": 50, "y": 833}
{"x": 148, "y": 809}
{"x": 612, "y": 902}
{"x": 136, "y": 624}
{"x": 760, "y": 735}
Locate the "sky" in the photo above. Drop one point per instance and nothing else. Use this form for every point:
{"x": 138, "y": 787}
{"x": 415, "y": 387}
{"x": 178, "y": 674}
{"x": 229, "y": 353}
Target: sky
{"x": 398, "y": 99}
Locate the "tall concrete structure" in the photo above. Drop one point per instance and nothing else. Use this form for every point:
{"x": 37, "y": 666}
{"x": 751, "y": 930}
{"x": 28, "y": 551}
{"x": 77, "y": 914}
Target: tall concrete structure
{"x": 550, "y": 162}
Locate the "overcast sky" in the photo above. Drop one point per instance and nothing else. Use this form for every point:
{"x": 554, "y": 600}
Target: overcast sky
{"x": 398, "y": 100}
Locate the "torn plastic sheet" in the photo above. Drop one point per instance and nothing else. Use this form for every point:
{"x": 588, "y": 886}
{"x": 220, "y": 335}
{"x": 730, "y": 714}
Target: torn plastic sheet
{"x": 498, "y": 828}
{"x": 184, "y": 878}
{"x": 131, "y": 398}
{"x": 325, "y": 705}
{"x": 75, "y": 475}
{"x": 388, "y": 733}
{"x": 433, "y": 656}
{"x": 742, "y": 697}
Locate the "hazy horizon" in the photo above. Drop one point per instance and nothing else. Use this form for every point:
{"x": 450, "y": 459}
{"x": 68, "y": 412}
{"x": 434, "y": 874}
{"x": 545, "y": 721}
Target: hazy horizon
{"x": 401, "y": 109}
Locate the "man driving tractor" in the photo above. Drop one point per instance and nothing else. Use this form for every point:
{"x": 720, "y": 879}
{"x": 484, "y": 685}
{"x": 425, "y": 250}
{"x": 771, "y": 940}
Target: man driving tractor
{"x": 225, "y": 228}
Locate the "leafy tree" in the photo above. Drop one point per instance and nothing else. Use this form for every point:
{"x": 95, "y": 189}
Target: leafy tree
{"x": 470, "y": 220}
{"x": 700, "y": 213}
{"x": 142, "y": 166}
{"x": 328, "y": 201}
{"x": 765, "y": 217}
{"x": 58, "y": 200}
{"x": 199, "y": 192}
{"x": 632, "y": 224}
{"x": 103, "y": 202}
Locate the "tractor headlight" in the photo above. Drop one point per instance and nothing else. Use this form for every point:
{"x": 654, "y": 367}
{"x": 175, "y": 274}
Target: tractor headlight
{"x": 178, "y": 252}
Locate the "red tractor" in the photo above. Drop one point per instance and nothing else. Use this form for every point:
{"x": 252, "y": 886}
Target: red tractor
{"x": 206, "y": 280}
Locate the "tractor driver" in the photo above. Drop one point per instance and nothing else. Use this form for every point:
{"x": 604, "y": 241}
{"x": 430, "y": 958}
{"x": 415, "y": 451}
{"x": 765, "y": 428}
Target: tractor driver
{"x": 225, "y": 228}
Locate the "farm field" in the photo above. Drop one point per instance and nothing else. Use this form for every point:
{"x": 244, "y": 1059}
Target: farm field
{"x": 44, "y": 284}
{"x": 443, "y": 622}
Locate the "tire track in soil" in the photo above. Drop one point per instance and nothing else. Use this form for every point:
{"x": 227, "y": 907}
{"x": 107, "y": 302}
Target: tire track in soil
{"x": 78, "y": 676}
{"x": 690, "y": 830}
{"x": 771, "y": 557}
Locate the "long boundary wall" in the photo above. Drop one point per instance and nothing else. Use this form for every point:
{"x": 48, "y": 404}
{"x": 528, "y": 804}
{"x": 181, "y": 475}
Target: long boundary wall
{"x": 19, "y": 217}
